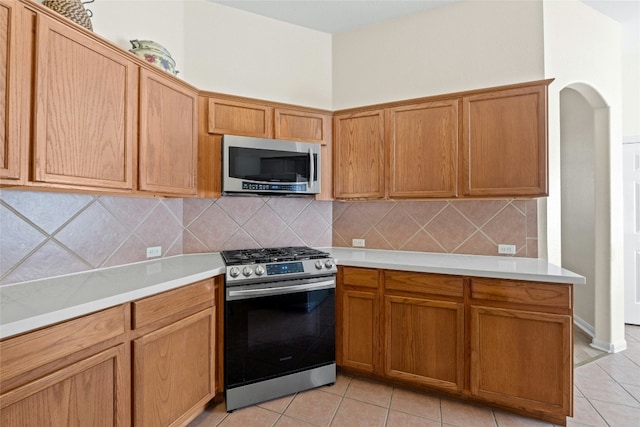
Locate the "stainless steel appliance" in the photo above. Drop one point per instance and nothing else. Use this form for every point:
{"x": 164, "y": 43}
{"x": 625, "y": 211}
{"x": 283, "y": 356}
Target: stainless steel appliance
{"x": 279, "y": 325}
{"x": 268, "y": 166}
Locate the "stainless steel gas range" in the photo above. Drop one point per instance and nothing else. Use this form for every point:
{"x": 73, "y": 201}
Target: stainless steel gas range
{"x": 279, "y": 323}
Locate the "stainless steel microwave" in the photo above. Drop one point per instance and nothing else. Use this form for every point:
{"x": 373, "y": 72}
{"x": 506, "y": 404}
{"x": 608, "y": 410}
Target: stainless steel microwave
{"x": 269, "y": 166}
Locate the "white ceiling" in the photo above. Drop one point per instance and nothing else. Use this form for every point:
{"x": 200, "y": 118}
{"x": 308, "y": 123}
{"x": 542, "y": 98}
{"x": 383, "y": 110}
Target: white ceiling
{"x": 334, "y": 16}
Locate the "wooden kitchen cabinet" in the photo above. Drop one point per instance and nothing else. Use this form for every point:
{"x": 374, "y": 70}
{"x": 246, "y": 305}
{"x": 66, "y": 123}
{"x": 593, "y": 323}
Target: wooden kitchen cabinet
{"x": 227, "y": 116}
{"x": 12, "y": 111}
{"x": 424, "y": 329}
{"x": 423, "y": 150}
{"x": 174, "y": 356}
{"x": 305, "y": 126}
{"x": 358, "y": 168}
{"x": 504, "y": 144}
{"x": 168, "y": 135}
{"x": 522, "y": 346}
{"x": 86, "y": 98}
{"x": 358, "y": 342}
{"x": 75, "y": 373}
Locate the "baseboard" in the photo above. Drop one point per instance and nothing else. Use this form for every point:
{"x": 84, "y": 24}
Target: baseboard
{"x": 595, "y": 343}
{"x": 584, "y": 326}
{"x": 609, "y": 347}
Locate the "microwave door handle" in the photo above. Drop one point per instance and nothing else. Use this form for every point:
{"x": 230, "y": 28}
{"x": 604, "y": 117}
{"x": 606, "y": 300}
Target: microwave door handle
{"x": 312, "y": 168}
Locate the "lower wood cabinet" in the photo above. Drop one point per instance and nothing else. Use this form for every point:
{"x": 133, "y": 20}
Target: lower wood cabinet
{"x": 505, "y": 343}
{"x": 521, "y": 342}
{"x": 151, "y": 362}
{"x": 358, "y": 341}
{"x": 84, "y": 393}
{"x": 75, "y": 373}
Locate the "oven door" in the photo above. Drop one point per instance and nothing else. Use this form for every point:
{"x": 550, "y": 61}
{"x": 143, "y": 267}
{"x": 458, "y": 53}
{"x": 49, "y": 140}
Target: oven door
{"x": 279, "y": 328}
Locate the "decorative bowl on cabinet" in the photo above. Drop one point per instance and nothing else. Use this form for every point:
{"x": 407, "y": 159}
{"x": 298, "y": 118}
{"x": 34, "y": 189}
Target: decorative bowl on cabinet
{"x": 155, "y": 54}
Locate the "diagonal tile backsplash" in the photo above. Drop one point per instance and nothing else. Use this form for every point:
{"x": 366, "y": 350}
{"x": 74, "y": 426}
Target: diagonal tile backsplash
{"x": 452, "y": 226}
{"x": 46, "y": 234}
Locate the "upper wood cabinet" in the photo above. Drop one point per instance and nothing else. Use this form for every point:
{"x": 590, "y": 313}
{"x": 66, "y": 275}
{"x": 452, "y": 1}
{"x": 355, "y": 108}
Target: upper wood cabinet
{"x": 306, "y": 126}
{"x": 168, "y": 135}
{"x": 12, "y": 150}
{"x": 86, "y": 110}
{"x": 483, "y": 143}
{"x": 423, "y": 150}
{"x": 504, "y": 147}
{"x": 358, "y": 169}
{"x": 240, "y": 118}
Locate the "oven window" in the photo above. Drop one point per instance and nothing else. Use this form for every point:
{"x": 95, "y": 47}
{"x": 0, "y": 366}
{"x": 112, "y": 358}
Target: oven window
{"x": 277, "y": 335}
{"x": 270, "y": 165}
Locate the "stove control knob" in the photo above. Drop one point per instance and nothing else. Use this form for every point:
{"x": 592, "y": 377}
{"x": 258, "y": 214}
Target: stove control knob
{"x": 234, "y": 272}
{"x": 328, "y": 264}
{"x": 247, "y": 271}
{"x": 259, "y": 270}
{"x": 319, "y": 265}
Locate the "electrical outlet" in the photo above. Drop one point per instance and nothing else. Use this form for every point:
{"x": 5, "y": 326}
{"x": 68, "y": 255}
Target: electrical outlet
{"x": 357, "y": 243}
{"x": 507, "y": 249}
{"x": 154, "y": 251}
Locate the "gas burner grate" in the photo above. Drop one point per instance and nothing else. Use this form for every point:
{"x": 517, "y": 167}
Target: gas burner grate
{"x": 266, "y": 255}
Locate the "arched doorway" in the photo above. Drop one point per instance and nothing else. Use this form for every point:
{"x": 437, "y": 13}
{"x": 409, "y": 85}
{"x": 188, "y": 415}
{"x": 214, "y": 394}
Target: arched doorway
{"x": 586, "y": 220}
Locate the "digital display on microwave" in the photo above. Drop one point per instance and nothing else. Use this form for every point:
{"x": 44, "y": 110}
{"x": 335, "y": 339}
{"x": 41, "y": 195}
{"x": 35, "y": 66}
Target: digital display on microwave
{"x": 273, "y": 187}
{"x": 288, "y": 267}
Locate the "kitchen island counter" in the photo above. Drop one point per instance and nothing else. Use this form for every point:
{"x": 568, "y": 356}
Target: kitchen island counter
{"x": 30, "y": 305}
{"x": 497, "y": 267}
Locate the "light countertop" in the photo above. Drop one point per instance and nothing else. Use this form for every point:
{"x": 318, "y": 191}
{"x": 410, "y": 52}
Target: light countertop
{"x": 515, "y": 268}
{"x": 31, "y": 305}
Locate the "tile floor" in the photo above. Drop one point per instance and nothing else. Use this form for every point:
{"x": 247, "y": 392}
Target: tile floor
{"x": 607, "y": 393}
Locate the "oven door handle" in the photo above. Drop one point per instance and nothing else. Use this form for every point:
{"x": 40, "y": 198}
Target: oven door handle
{"x": 263, "y": 292}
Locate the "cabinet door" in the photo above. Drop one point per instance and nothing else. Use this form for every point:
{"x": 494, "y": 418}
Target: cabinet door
{"x": 91, "y": 392}
{"x": 522, "y": 359}
{"x": 360, "y": 330}
{"x": 174, "y": 371}
{"x": 240, "y": 118}
{"x": 504, "y": 148}
{"x": 86, "y": 108}
{"x": 13, "y": 145}
{"x": 358, "y": 167}
{"x": 309, "y": 127}
{"x": 424, "y": 341}
{"x": 423, "y": 152}
{"x": 168, "y": 136}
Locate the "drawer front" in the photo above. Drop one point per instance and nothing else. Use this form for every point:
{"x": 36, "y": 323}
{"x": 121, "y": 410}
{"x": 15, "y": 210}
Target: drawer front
{"x": 363, "y": 277}
{"x": 149, "y": 310}
{"x": 29, "y": 351}
{"x": 519, "y": 292}
{"x": 423, "y": 283}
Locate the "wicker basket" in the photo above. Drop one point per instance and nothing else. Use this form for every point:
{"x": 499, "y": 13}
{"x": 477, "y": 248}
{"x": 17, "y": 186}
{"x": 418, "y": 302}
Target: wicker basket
{"x": 72, "y": 9}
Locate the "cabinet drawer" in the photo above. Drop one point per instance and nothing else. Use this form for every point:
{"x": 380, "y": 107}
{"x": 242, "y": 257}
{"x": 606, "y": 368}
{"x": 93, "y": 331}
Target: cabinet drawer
{"x": 434, "y": 284}
{"x": 29, "y": 351}
{"x": 533, "y": 293}
{"x": 157, "y": 307}
{"x": 364, "y": 277}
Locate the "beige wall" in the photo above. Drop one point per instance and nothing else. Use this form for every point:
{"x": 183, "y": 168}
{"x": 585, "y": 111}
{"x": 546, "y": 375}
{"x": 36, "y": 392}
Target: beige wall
{"x": 583, "y": 51}
{"x": 466, "y": 45}
{"x": 221, "y": 49}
